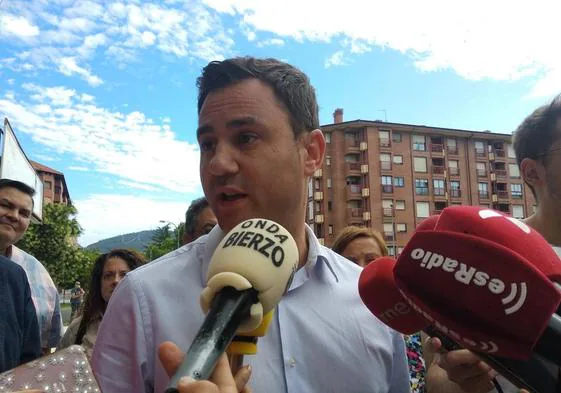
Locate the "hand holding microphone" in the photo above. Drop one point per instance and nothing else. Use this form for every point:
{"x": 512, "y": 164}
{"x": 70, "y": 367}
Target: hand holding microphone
{"x": 250, "y": 270}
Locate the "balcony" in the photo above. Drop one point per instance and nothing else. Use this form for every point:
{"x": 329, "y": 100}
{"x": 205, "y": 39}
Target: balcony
{"x": 438, "y": 170}
{"x": 389, "y": 236}
{"x": 318, "y": 218}
{"x": 365, "y": 192}
{"x": 436, "y": 148}
{"x": 480, "y": 153}
{"x": 386, "y": 165}
{"x": 387, "y": 188}
{"x": 387, "y": 211}
{"x": 353, "y": 192}
{"x": 354, "y": 215}
{"x": 352, "y": 168}
{"x": 452, "y": 150}
{"x": 439, "y": 191}
{"x": 318, "y": 196}
{"x": 352, "y": 145}
{"x": 385, "y": 142}
{"x": 455, "y": 193}
{"x": 318, "y": 173}
{"x": 481, "y": 172}
{"x": 501, "y": 172}
{"x": 516, "y": 195}
{"x": 421, "y": 191}
{"x": 500, "y": 153}
{"x": 483, "y": 194}
{"x": 366, "y": 216}
{"x": 454, "y": 171}
{"x": 502, "y": 194}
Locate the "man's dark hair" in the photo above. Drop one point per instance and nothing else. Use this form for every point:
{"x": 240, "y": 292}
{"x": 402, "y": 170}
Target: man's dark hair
{"x": 537, "y": 133}
{"x": 196, "y": 207}
{"x": 291, "y": 86}
{"x": 5, "y": 183}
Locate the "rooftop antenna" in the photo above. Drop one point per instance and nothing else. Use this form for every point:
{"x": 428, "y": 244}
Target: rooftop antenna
{"x": 379, "y": 110}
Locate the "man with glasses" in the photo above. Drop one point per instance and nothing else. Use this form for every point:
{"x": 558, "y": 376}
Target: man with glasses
{"x": 537, "y": 144}
{"x": 199, "y": 220}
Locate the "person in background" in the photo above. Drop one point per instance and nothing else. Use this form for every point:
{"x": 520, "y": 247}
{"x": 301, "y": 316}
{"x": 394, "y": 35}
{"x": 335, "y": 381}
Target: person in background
{"x": 108, "y": 270}
{"x": 76, "y": 295}
{"x": 537, "y": 146}
{"x": 360, "y": 245}
{"x": 199, "y": 220}
{"x": 19, "y": 331}
{"x": 363, "y": 245}
{"x": 16, "y": 206}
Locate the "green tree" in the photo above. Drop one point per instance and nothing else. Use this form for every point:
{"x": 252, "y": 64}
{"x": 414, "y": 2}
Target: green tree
{"x": 163, "y": 241}
{"x": 54, "y": 244}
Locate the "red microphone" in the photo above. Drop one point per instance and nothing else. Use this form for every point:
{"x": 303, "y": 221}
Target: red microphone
{"x": 378, "y": 291}
{"x": 489, "y": 298}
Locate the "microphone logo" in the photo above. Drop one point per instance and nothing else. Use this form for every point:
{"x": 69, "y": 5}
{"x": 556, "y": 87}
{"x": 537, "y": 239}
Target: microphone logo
{"x": 511, "y": 297}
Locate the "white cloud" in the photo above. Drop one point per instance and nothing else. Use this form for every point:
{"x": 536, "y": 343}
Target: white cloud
{"x": 130, "y": 146}
{"x": 271, "y": 42}
{"x": 11, "y": 81}
{"x": 17, "y": 26}
{"x": 68, "y": 66}
{"x": 78, "y": 168}
{"x": 139, "y": 186}
{"x": 507, "y": 41}
{"x": 124, "y": 214}
{"x": 43, "y": 158}
{"x": 336, "y": 59}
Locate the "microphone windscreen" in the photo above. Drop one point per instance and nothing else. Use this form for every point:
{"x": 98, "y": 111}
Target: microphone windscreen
{"x": 258, "y": 254}
{"x": 508, "y": 231}
{"x": 478, "y": 292}
{"x": 378, "y": 291}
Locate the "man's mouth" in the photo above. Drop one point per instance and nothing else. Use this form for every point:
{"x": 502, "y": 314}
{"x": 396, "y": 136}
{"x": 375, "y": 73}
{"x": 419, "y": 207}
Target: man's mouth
{"x": 227, "y": 197}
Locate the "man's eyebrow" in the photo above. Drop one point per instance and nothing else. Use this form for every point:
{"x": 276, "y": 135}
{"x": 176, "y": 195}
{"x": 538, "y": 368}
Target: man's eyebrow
{"x": 235, "y": 123}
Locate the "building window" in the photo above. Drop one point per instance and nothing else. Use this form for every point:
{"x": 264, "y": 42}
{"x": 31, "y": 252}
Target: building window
{"x": 452, "y": 145}
{"x": 328, "y": 160}
{"x": 453, "y": 168}
{"x": 329, "y": 205}
{"x": 422, "y": 209}
{"x": 455, "y": 189}
{"x": 399, "y": 205}
{"x": 483, "y": 189}
{"x": 385, "y": 162}
{"x": 438, "y": 187}
{"x": 401, "y": 228}
{"x": 479, "y": 148}
{"x": 516, "y": 190}
{"x": 48, "y": 185}
{"x": 481, "y": 169}
{"x": 517, "y": 211}
{"x": 420, "y": 164}
{"x": 316, "y": 184}
{"x": 384, "y": 138}
{"x": 397, "y": 159}
{"x": 513, "y": 170}
{"x": 327, "y": 137}
{"x": 419, "y": 143}
{"x": 398, "y": 181}
{"x": 330, "y": 229}
{"x": 329, "y": 183}
{"x": 396, "y": 137}
{"x": 57, "y": 189}
{"x": 318, "y": 207}
{"x": 386, "y": 180}
{"x": 391, "y": 251}
{"x": 511, "y": 152}
{"x": 421, "y": 187}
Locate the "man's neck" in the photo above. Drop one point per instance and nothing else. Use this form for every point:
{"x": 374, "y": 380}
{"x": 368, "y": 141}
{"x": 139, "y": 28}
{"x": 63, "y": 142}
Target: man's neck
{"x": 6, "y": 251}
{"x": 548, "y": 224}
{"x": 303, "y": 246}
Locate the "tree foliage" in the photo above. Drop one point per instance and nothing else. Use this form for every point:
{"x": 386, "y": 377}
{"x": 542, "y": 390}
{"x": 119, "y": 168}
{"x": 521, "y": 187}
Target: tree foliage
{"x": 54, "y": 244}
{"x": 164, "y": 241}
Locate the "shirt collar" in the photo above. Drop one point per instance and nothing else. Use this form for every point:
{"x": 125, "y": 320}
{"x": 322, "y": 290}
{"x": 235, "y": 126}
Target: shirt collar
{"x": 317, "y": 264}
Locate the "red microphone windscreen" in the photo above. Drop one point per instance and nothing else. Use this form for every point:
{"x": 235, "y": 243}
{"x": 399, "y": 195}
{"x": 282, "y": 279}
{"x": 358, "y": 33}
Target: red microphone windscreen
{"x": 377, "y": 289}
{"x": 428, "y": 224}
{"x": 478, "y": 292}
{"x": 503, "y": 229}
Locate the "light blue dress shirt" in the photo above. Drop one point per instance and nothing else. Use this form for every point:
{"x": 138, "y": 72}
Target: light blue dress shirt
{"x": 322, "y": 338}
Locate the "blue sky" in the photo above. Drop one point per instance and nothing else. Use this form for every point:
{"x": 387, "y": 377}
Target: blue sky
{"x": 104, "y": 91}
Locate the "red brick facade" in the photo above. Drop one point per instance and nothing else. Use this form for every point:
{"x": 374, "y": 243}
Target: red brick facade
{"x": 54, "y": 184}
{"x": 389, "y": 175}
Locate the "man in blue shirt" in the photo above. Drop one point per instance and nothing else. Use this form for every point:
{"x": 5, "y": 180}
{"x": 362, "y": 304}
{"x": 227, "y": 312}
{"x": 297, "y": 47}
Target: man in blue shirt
{"x": 260, "y": 144}
{"x": 19, "y": 331}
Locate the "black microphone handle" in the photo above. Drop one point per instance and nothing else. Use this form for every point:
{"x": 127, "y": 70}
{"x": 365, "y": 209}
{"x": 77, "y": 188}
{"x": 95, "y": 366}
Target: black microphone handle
{"x": 537, "y": 375}
{"x": 229, "y": 308}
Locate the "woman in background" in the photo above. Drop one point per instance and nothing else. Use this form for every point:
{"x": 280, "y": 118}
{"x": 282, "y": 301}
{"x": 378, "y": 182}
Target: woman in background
{"x": 363, "y": 245}
{"x": 108, "y": 270}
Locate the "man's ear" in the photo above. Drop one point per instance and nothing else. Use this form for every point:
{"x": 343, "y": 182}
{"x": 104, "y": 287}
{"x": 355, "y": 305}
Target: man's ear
{"x": 313, "y": 151}
{"x": 533, "y": 172}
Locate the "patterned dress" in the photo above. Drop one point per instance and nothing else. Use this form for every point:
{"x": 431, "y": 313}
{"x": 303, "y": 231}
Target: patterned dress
{"x": 416, "y": 362}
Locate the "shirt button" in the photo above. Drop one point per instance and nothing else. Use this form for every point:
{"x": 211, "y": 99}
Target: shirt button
{"x": 291, "y": 362}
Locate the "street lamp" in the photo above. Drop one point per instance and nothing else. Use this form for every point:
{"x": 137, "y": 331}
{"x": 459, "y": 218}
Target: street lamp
{"x": 176, "y": 229}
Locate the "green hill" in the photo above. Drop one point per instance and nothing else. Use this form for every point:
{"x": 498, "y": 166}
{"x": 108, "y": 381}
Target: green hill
{"x": 137, "y": 241}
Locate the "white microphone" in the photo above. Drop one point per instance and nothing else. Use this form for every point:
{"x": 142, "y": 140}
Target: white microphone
{"x": 250, "y": 270}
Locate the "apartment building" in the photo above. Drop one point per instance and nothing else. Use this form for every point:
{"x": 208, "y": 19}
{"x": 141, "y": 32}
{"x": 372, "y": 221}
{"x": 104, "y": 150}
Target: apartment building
{"x": 54, "y": 184}
{"x": 391, "y": 176}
